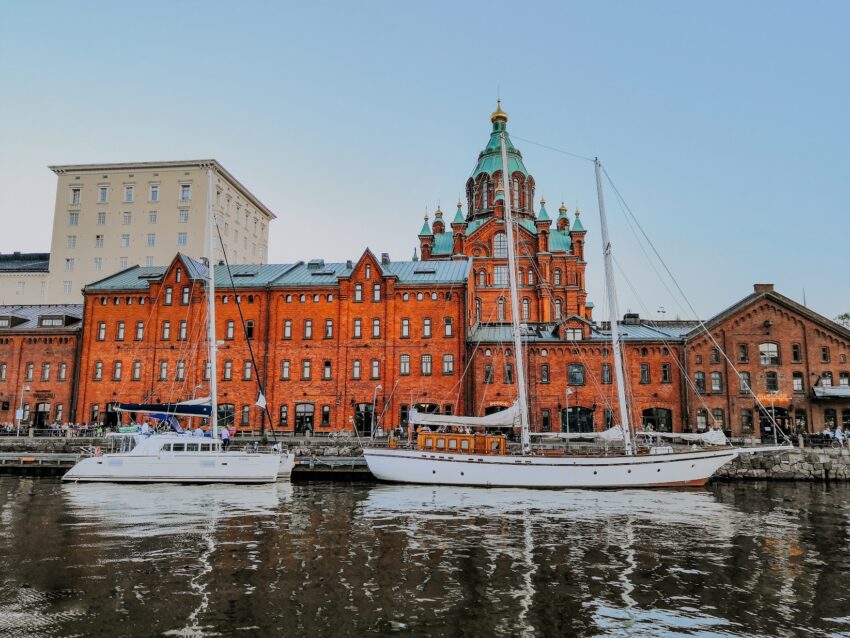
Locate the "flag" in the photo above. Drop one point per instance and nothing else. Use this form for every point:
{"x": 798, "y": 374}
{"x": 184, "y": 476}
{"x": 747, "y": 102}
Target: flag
{"x": 261, "y": 401}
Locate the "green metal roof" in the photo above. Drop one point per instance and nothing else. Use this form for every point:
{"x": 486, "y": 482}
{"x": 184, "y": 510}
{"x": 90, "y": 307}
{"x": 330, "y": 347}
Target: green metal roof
{"x": 426, "y": 229}
{"x": 443, "y": 244}
{"x": 427, "y": 271}
{"x": 490, "y": 159}
{"x": 577, "y": 225}
{"x": 560, "y": 240}
{"x": 459, "y": 218}
{"x": 543, "y": 216}
{"x": 240, "y": 275}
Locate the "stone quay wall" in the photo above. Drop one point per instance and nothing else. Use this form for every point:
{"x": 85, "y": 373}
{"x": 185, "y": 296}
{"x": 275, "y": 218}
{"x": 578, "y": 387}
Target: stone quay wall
{"x": 806, "y": 464}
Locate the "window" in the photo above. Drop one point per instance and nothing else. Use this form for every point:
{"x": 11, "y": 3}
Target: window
{"x": 358, "y": 292}
{"x": 699, "y": 382}
{"x": 644, "y": 373}
{"x": 183, "y": 216}
{"x": 154, "y": 192}
{"x": 500, "y": 276}
{"x": 404, "y": 365}
{"x": 702, "y": 419}
{"x": 376, "y": 292}
{"x": 716, "y": 382}
{"x": 797, "y": 382}
{"x": 102, "y": 194}
{"x": 3, "y": 371}
{"x": 544, "y": 373}
{"x": 830, "y": 417}
{"x": 448, "y": 364}
{"x": 745, "y": 384}
{"x": 119, "y": 331}
{"x": 284, "y": 416}
{"x": 483, "y": 190}
{"x": 287, "y": 329}
{"x": 482, "y": 278}
{"x": 715, "y": 355}
{"x": 488, "y": 373}
{"x": 500, "y": 309}
{"x": 148, "y": 260}
{"x": 75, "y": 195}
{"x": 743, "y": 354}
{"x": 284, "y": 370}
{"x": 329, "y": 328}
{"x": 826, "y": 379}
{"x": 357, "y": 328}
{"x": 718, "y": 417}
{"x": 500, "y": 246}
{"x": 824, "y": 354}
{"x": 98, "y": 264}
{"x": 185, "y": 192}
{"x": 509, "y": 373}
{"x": 796, "y": 356}
{"x": 180, "y": 375}
{"x": 376, "y": 328}
{"x": 556, "y": 278}
{"x": 575, "y": 374}
{"x": 308, "y": 328}
{"x": 545, "y": 420}
{"x": 151, "y": 239}
{"x": 448, "y": 327}
{"x": 558, "y": 310}
{"x": 73, "y": 220}
{"x": 530, "y": 277}
{"x": 426, "y": 328}
{"x": 771, "y": 382}
{"x": 227, "y": 372}
{"x": 769, "y": 354}
{"x": 376, "y": 369}
{"x": 45, "y": 372}
{"x": 63, "y": 371}
{"x": 326, "y": 369}
{"x": 477, "y": 310}
{"x": 182, "y": 238}
{"x": 69, "y": 264}
{"x": 229, "y": 329}
{"x": 844, "y": 379}
{"x": 746, "y": 420}
{"x": 526, "y": 309}
{"x": 166, "y": 330}
{"x": 137, "y": 371}
{"x": 425, "y": 363}
{"x": 71, "y": 241}
{"x": 405, "y": 328}
{"x": 606, "y": 373}
{"x": 152, "y": 217}
{"x": 98, "y": 370}
{"x": 246, "y": 370}
{"x": 128, "y": 194}
{"x": 169, "y": 296}
{"x": 184, "y": 296}
{"x": 665, "y": 373}
{"x": 101, "y": 330}
{"x": 326, "y": 415}
{"x": 246, "y": 415}
{"x": 101, "y": 219}
{"x": 355, "y": 369}
{"x": 207, "y": 370}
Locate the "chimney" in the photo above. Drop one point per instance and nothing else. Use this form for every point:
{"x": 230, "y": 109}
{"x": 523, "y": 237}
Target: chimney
{"x": 631, "y": 319}
{"x": 385, "y": 259}
{"x": 763, "y": 287}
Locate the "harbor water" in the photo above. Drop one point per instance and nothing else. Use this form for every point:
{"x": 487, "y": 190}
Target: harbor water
{"x": 361, "y": 559}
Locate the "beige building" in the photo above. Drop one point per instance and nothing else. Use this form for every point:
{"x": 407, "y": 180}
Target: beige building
{"x": 23, "y": 278}
{"x": 109, "y": 217}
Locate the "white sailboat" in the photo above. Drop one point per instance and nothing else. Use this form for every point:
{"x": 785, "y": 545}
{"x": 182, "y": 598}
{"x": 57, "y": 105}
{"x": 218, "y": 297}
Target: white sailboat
{"x": 483, "y": 460}
{"x": 176, "y": 458}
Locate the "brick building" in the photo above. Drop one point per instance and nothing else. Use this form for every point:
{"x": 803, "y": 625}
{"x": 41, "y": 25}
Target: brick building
{"x": 326, "y": 342}
{"x": 38, "y": 355}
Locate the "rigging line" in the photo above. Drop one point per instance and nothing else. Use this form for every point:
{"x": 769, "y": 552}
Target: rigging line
{"x": 237, "y": 300}
{"x": 700, "y": 322}
{"x": 552, "y": 148}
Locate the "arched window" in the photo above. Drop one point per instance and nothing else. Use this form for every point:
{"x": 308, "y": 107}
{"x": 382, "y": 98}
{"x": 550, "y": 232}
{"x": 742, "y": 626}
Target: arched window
{"x": 769, "y": 354}
{"x": 557, "y": 310}
{"x": 525, "y": 309}
{"x": 500, "y": 245}
{"x": 483, "y": 189}
{"x": 501, "y": 305}
{"x": 530, "y": 277}
{"x": 556, "y": 276}
{"x": 478, "y": 310}
{"x": 482, "y": 278}
{"x": 515, "y": 193}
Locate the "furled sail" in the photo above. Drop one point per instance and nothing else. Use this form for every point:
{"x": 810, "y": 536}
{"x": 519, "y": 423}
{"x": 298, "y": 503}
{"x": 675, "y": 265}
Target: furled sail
{"x": 505, "y": 419}
{"x": 194, "y": 407}
{"x": 711, "y": 437}
{"x": 611, "y": 434}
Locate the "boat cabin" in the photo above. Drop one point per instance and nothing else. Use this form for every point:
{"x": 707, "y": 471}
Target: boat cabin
{"x": 207, "y": 446}
{"x": 462, "y": 443}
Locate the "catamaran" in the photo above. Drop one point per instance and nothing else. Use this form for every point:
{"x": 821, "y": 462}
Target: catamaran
{"x": 462, "y": 452}
{"x": 178, "y": 458}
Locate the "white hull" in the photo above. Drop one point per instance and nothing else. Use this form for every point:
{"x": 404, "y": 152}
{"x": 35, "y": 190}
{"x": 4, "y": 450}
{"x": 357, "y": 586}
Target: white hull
{"x": 216, "y": 467}
{"x": 287, "y": 462}
{"x": 657, "y": 470}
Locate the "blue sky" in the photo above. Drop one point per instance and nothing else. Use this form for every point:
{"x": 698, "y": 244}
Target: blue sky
{"x": 724, "y": 124}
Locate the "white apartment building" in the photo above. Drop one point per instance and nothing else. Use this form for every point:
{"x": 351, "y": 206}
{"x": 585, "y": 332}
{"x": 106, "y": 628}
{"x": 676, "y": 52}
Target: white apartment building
{"x": 109, "y": 217}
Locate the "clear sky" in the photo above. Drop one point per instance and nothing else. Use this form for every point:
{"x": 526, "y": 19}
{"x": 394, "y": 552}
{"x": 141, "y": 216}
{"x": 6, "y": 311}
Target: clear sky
{"x": 724, "y": 124}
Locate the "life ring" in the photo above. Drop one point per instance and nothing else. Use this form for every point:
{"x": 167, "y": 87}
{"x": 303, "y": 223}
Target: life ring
{"x": 97, "y": 450}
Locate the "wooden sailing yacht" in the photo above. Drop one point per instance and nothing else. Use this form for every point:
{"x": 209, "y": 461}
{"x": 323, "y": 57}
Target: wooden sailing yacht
{"x": 481, "y": 459}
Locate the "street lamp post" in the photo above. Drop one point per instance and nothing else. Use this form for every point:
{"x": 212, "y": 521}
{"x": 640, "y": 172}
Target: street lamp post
{"x": 567, "y": 407}
{"x": 374, "y": 402}
{"x": 24, "y": 388}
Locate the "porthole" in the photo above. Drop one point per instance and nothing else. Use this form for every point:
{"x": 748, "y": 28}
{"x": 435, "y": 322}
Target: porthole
{"x": 433, "y": 471}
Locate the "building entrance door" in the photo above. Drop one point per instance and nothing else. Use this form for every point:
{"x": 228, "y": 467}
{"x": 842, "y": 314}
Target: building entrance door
{"x": 42, "y": 415}
{"x": 363, "y": 418}
{"x": 576, "y": 419}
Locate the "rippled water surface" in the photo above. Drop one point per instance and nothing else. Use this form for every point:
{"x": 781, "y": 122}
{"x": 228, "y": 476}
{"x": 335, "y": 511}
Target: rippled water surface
{"x": 331, "y": 559}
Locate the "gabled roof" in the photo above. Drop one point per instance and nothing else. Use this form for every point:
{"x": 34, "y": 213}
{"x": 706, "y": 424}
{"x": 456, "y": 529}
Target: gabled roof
{"x": 782, "y": 300}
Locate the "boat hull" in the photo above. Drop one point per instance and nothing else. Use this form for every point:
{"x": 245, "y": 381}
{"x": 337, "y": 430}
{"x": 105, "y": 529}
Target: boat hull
{"x": 685, "y": 469}
{"x": 234, "y": 467}
{"x": 287, "y": 463}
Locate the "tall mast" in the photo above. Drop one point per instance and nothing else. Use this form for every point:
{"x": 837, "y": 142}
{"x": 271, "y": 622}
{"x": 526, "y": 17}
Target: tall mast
{"x": 515, "y": 328}
{"x": 613, "y": 314}
{"x": 211, "y": 343}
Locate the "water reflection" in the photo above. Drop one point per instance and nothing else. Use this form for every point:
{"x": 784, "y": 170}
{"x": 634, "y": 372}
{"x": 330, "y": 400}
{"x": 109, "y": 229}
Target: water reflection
{"x": 332, "y": 559}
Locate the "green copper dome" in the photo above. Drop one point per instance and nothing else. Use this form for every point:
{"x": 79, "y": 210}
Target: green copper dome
{"x": 490, "y": 159}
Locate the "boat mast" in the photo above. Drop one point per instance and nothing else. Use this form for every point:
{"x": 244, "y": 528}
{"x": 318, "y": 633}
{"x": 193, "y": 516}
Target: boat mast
{"x": 515, "y": 327}
{"x": 211, "y": 344}
{"x": 613, "y": 314}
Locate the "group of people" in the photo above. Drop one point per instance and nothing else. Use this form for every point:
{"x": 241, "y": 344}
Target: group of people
{"x": 838, "y": 434}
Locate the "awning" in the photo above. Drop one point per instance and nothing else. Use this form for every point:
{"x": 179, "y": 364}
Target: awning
{"x": 831, "y": 392}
